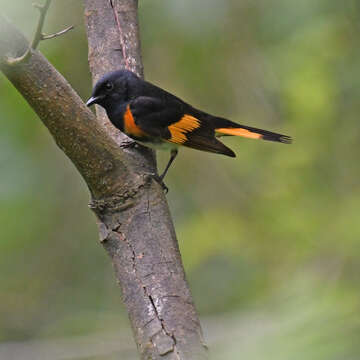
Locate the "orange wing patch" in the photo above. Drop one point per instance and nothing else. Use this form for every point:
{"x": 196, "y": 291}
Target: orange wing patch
{"x": 239, "y": 132}
{"x": 178, "y": 130}
{"x": 130, "y": 127}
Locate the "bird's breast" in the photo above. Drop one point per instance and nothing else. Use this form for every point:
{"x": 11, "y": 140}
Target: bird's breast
{"x": 130, "y": 127}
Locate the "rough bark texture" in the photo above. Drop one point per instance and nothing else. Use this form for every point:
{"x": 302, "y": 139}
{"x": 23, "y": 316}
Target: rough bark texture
{"x": 134, "y": 221}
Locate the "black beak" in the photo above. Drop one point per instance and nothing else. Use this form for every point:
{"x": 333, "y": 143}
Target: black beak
{"x": 94, "y": 100}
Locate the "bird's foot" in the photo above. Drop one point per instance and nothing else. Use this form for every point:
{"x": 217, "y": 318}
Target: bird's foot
{"x": 159, "y": 179}
{"x": 128, "y": 144}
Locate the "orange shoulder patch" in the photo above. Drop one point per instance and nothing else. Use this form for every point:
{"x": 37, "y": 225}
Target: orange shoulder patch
{"x": 239, "y": 132}
{"x": 130, "y": 128}
{"x": 178, "y": 130}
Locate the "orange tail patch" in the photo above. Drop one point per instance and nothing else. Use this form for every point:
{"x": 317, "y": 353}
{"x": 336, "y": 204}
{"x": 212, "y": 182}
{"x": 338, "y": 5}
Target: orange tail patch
{"x": 239, "y": 132}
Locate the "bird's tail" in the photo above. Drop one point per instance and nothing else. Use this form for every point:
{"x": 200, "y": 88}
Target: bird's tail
{"x": 227, "y": 127}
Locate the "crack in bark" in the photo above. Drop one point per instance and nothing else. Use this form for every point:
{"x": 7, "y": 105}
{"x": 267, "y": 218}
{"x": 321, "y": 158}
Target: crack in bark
{"x": 166, "y": 349}
{"x": 162, "y": 322}
{"x": 118, "y": 202}
{"x": 172, "y": 336}
{"x": 162, "y": 340}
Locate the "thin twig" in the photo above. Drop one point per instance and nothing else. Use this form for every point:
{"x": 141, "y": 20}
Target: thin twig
{"x": 51, "y": 36}
{"x": 11, "y": 61}
{"x": 38, "y": 36}
{"x": 38, "y": 33}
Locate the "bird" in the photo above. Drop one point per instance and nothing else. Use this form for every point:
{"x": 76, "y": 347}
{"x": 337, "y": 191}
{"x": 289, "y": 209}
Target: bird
{"x": 158, "y": 119}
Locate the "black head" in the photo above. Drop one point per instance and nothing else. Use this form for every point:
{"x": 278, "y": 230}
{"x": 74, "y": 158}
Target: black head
{"x": 113, "y": 87}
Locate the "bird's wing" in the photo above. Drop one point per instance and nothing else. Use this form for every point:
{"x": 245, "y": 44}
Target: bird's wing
{"x": 154, "y": 115}
{"x": 174, "y": 122}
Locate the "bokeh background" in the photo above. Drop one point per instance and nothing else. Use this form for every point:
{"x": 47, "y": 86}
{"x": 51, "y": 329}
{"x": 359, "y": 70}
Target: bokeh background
{"x": 270, "y": 240}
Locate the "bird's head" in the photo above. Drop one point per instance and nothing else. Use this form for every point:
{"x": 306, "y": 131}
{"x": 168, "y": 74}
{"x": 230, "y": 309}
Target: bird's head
{"x": 112, "y": 88}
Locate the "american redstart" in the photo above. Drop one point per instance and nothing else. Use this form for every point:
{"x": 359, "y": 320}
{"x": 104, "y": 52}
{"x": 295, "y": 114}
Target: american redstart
{"x": 155, "y": 118}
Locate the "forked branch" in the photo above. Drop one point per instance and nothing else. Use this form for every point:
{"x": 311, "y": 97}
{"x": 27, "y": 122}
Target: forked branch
{"x": 39, "y": 35}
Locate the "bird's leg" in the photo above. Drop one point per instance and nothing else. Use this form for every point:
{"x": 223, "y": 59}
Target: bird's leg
{"x": 173, "y": 154}
{"x": 160, "y": 178}
{"x": 157, "y": 178}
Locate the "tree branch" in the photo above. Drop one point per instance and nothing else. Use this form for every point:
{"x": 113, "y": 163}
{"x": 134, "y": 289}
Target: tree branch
{"x": 134, "y": 221}
{"x": 62, "y": 111}
{"x": 38, "y": 33}
{"x": 38, "y": 36}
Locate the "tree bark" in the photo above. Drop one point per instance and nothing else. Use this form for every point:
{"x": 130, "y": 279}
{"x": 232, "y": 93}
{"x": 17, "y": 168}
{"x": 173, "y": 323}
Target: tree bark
{"x": 134, "y": 221}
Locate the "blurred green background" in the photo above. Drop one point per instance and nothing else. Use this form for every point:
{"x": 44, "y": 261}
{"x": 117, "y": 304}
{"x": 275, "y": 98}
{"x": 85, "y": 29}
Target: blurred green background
{"x": 270, "y": 240}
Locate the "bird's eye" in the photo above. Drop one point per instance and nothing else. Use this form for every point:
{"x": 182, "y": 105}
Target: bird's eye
{"x": 109, "y": 86}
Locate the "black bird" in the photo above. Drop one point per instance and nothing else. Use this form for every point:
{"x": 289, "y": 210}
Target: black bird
{"x": 155, "y": 118}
